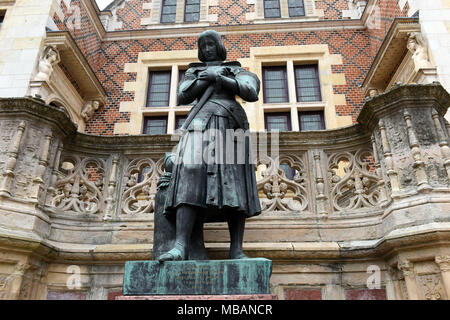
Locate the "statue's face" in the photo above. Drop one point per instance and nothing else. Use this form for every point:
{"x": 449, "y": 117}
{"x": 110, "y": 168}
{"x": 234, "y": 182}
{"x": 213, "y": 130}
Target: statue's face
{"x": 209, "y": 49}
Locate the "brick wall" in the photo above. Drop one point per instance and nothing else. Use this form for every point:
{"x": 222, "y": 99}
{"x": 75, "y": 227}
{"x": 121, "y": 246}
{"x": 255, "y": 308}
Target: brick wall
{"x": 85, "y": 36}
{"x": 357, "y": 47}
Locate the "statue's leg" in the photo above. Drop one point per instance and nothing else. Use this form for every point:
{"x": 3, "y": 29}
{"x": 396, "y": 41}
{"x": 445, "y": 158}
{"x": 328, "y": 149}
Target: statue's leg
{"x": 184, "y": 224}
{"x": 236, "y": 225}
{"x": 197, "y": 249}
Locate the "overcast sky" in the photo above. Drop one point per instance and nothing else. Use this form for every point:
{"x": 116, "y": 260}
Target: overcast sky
{"x": 103, "y": 3}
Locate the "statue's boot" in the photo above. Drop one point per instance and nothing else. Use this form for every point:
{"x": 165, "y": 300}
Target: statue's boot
{"x": 175, "y": 254}
{"x": 185, "y": 216}
{"x": 236, "y": 225}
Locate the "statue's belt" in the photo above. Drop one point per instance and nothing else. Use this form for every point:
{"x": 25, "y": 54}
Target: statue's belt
{"x": 240, "y": 123}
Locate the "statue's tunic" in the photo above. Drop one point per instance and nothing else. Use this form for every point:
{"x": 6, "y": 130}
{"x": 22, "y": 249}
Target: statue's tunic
{"x": 203, "y": 174}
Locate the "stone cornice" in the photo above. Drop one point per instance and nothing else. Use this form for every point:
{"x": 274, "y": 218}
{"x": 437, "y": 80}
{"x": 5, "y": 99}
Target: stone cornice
{"x": 37, "y": 108}
{"x": 411, "y": 96}
{"x": 194, "y": 31}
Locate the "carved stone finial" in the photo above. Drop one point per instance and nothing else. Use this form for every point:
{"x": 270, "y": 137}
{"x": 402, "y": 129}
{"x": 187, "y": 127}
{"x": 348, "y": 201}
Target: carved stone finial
{"x": 49, "y": 58}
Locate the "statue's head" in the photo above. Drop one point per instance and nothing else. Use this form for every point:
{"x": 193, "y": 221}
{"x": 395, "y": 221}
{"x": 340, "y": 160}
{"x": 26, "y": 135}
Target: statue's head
{"x": 411, "y": 44}
{"x": 210, "y": 47}
{"x": 51, "y": 55}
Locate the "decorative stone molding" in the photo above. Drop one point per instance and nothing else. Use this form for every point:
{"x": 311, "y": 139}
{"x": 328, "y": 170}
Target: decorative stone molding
{"x": 419, "y": 165}
{"x": 443, "y": 140}
{"x": 404, "y": 122}
{"x": 443, "y": 262}
{"x": 13, "y": 153}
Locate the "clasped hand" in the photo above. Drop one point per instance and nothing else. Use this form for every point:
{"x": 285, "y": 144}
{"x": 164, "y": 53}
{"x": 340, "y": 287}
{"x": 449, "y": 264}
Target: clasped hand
{"x": 211, "y": 74}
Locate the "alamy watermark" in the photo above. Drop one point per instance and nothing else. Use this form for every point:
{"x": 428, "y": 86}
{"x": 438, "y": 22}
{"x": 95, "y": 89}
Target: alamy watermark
{"x": 225, "y": 146}
{"x": 74, "y": 280}
{"x": 374, "y": 280}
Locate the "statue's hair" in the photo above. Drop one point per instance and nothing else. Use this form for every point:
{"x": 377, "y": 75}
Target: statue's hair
{"x": 221, "y": 51}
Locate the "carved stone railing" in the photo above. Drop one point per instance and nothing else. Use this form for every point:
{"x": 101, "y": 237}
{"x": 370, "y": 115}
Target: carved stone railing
{"x": 115, "y": 178}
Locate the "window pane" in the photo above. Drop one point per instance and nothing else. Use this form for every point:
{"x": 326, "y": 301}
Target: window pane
{"x": 158, "y": 89}
{"x": 179, "y": 120}
{"x": 192, "y": 11}
{"x": 275, "y": 85}
{"x": 311, "y": 121}
{"x": 296, "y": 8}
{"x": 155, "y": 125}
{"x": 307, "y": 83}
{"x": 278, "y": 121}
{"x": 272, "y": 9}
{"x": 168, "y": 10}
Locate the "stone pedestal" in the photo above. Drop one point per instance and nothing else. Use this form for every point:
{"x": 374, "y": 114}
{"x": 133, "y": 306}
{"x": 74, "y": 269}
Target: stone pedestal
{"x": 192, "y": 277}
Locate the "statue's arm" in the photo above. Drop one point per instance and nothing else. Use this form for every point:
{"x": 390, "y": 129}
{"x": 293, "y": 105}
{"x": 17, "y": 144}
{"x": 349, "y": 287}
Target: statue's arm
{"x": 248, "y": 85}
{"x": 190, "y": 88}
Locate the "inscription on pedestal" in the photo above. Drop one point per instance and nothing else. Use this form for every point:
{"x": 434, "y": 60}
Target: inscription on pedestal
{"x": 216, "y": 277}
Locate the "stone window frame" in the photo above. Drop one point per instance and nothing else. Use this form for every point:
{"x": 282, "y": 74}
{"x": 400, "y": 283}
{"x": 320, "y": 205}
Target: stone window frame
{"x": 257, "y": 16}
{"x": 153, "y": 21}
{"x": 291, "y": 56}
{"x": 175, "y": 61}
{"x": 293, "y": 105}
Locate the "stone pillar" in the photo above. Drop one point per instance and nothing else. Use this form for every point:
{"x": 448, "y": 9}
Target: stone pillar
{"x": 411, "y": 286}
{"x": 444, "y": 264}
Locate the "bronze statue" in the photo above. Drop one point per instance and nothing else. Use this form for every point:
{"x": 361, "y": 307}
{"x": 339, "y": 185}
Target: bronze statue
{"x": 202, "y": 188}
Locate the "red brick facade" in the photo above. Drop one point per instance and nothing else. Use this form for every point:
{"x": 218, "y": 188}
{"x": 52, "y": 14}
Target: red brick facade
{"x": 107, "y": 58}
